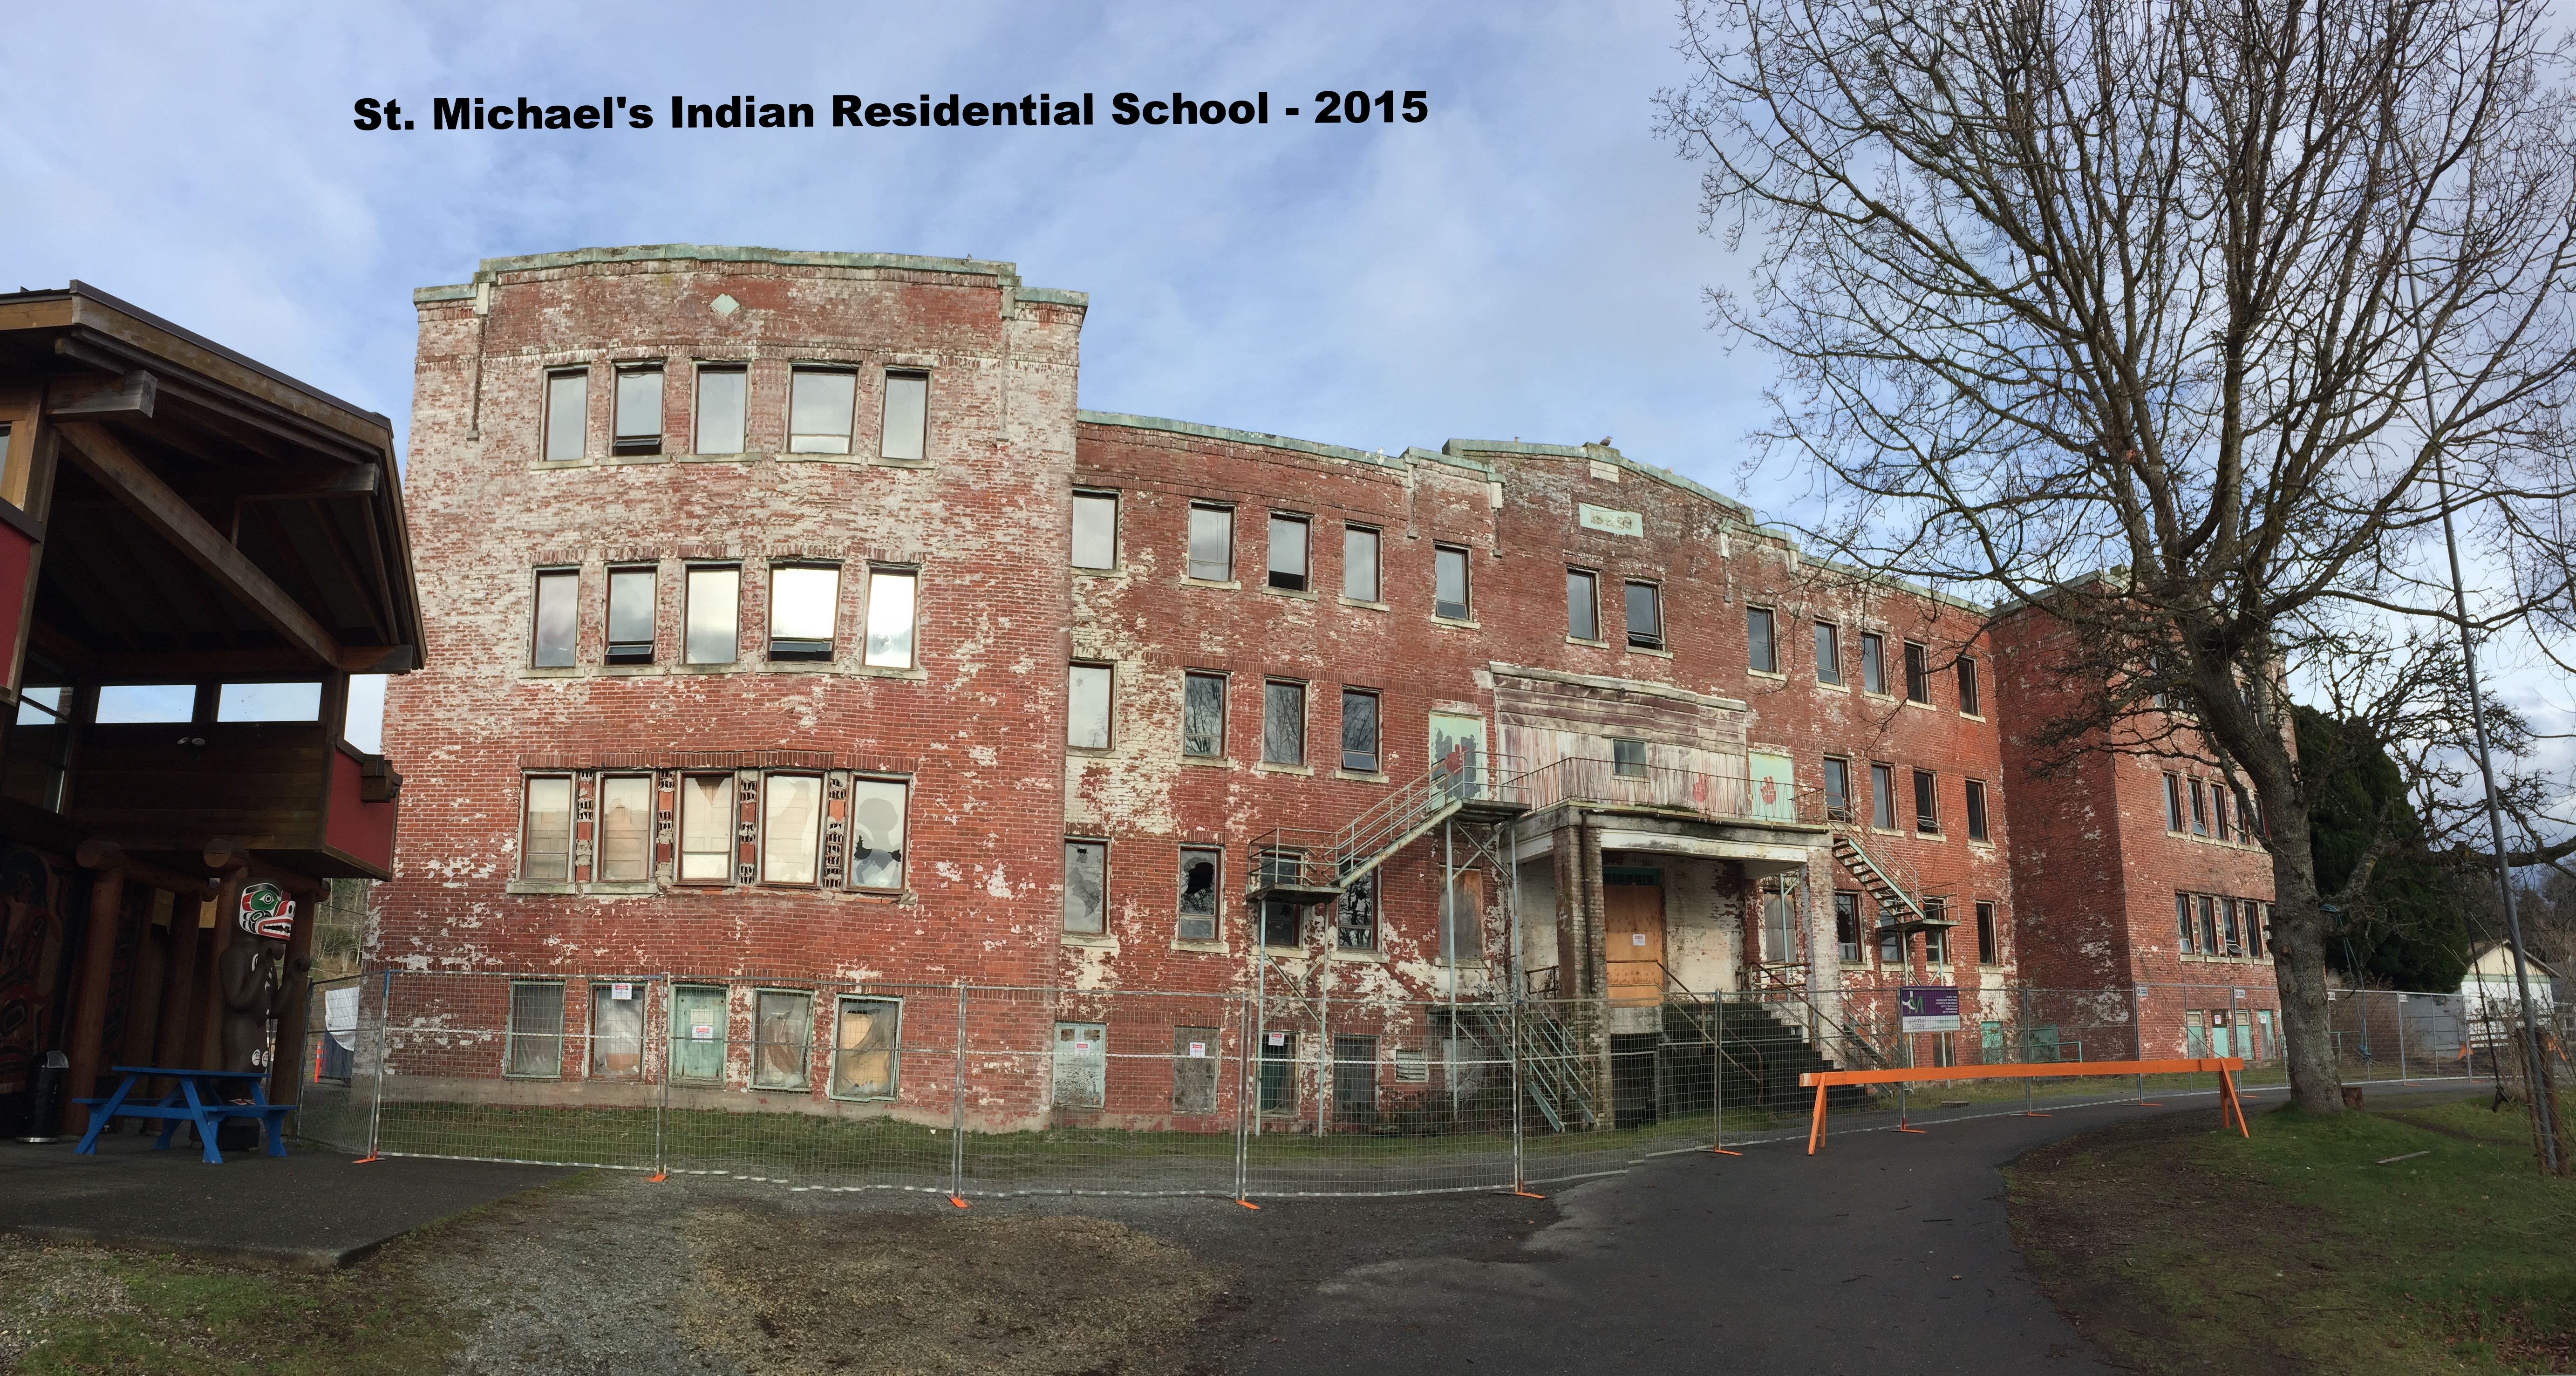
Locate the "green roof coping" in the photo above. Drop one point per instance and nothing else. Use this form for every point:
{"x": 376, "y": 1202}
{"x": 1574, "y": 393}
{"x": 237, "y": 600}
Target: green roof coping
{"x": 462, "y": 291}
{"x": 1218, "y": 432}
{"x": 1054, "y": 296}
{"x": 724, "y": 253}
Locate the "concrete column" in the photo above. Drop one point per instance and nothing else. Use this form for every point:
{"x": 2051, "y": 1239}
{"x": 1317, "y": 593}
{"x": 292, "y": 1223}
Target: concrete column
{"x": 89, "y": 1003}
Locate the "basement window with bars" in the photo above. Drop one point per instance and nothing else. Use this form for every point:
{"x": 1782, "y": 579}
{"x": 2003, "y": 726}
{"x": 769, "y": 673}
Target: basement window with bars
{"x": 545, "y": 845}
{"x": 1202, "y": 881}
{"x": 819, "y": 403}
{"x": 722, "y": 392}
{"x": 630, "y": 616}
{"x": 536, "y": 1031}
{"x": 625, "y": 829}
{"x": 639, "y": 410}
{"x": 1287, "y": 554}
{"x": 706, "y": 829}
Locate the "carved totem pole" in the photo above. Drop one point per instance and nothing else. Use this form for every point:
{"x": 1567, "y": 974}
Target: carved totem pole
{"x": 255, "y": 973}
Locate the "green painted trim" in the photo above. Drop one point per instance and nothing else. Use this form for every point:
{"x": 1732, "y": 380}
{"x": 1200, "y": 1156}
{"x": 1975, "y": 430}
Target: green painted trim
{"x": 1218, "y": 432}
{"x": 726, "y": 253}
{"x": 462, "y": 291}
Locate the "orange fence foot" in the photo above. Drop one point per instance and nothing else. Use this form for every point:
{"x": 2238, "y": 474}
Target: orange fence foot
{"x": 1721, "y": 1151}
{"x": 1917, "y": 1131}
{"x": 363, "y": 1160}
{"x": 1524, "y": 1194}
{"x": 2151, "y": 1103}
{"x": 657, "y": 1177}
{"x": 956, "y": 1201}
{"x": 1249, "y": 1205}
{"x": 2030, "y": 1114}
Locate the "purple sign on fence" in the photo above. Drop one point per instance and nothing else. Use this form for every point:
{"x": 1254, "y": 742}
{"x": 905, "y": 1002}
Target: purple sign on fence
{"x": 1928, "y": 1007}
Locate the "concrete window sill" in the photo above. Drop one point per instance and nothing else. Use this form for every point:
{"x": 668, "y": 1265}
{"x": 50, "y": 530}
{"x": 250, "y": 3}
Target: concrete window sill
{"x": 1208, "y": 761}
{"x": 1292, "y": 594}
{"x": 1090, "y": 940}
{"x": 1266, "y": 767}
{"x": 1359, "y": 778}
{"x": 1227, "y": 585}
{"x": 1657, "y": 652}
{"x": 1365, "y": 606}
{"x": 1204, "y": 948}
{"x": 1446, "y": 624}
{"x": 1366, "y": 957}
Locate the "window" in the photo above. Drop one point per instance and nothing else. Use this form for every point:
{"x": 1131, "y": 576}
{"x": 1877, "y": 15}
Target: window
{"x": 1990, "y": 948}
{"x": 2244, "y": 813}
{"x": 1936, "y": 938}
{"x": 1645, "y": 616}
{"x": 1095, "y": 530}
{"x": 1278, "y": 1091}
{"x": 1086, "y": 719}
{"x": 40, "y": 749}
{"x": 1882, "y": 796}
{"x": 2222, "y": 826}
{"x": 1582, "y": 605}
{"x": 818, "y": 410}
{"x": 1829, "y": 653}
{"x": 1288, "y": 553}
{"x": 146, "y": 702}
{"x": 2183, "y": 940}
{"x": 2173, "y": 802}
{"x": 698, "y": 1033}
{"x": 906, "y": 431}
{"x": 1927, "y": 811}
{"x": 2208, "y": 925}
{"x": 1283, "y": 722}
{"x": 1968, "y": 700}
{"x": 711, "y": 617}
{"x": 616, "y": 1029}
{"x": 567, "y": 415}
{"x": 625, "y": 829}
{"x": 893, "y": 605}
{"x": 268, "y": 702}
{"x": 2235, "y": 934}
{"x": 1627, "y": 758}
{"x": 545, "y": 848}
{"x": 721, "y": 396}
{"x": 791, "y": 828}
{"x": 1847, "y": 927}
{"x": 706, "y": 829}
{"x": 1195, "y": 1063}
{"x": 782, "y": 1039}
{"x": 865, "y": 1035}
{"x": 630, "y": 616}
{"x": 1359, "y": 564}
{"x": 639, "y": 413}
{"x": 1837, "y": 789}
{"x": 536, "y": 1031}
{"x": 558, "y": 596}
{"x": 1086, "y": 886}
{"x": 1449, "y": 583}
{"x": 1354, "y": 1077}
{"x": 1873, "y": 662}
{"x": 1780, "y": 934}
{"x": 1761, "y": 654}
{"x": 1977, "y": 811}
{"x": 1202, "y": 875}
{"x": 1211, "y": 543}
{"x": 1280, "y": 921}
{"x": 1203, "y": 715}
{"x": 1355, "y": 915}
{"x": 1359, "y": 731}
{"x": 2199, "y": 809}
{"x": 802, "y": 600}
{"x": 1918, "y": 674}
{"x": 877, "y": 818}
{"x": 2258, "y": 927}
{"x": 1891, "y": 945}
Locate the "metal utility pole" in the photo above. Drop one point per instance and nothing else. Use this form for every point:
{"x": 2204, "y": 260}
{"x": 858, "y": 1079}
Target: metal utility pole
{"x": 2543, "y": 1092}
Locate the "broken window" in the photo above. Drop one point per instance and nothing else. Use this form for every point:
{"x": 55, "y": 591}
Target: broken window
{"x": 1288, "y": 552}
{"x": 545, "y": 848}
{"x": 1761, "y": 652}
{"x": 706, "y": 828}
{"x": 721, "y": 394}
{"x": 616, "y": 1030}
{"x": 1968, "y": 699}
{"x": 2244, "y": 813}
{"x": 1280, "y": 921}
{"x": 1918, "y": 674}
{"x": 1847, "y": 927}
{"x": 1081, "y": 1064}
{"x": 558, "y": 598}
{"x": 1355, "y": 915}
{"x": 2208, "y": 925}
{"x": 877, "y": 816}
{"x": 1359, "y": 564}
{"x": 1359, "y": 731}
{"x": 2184, "y": 938}
{"x": 268, "y": 702}
{"x": 1095, "y": 530}
{"x": 697, "y": 1033}
{"x": 791, "y": 821}
{"x": 1645, "y": 616}
{"x": 639, "y": 411}
{"x": 906, "y": 432}
{"x": 1837, "y": 789}
{"x": 535, "y": 1049}
{"x": 630, "y": 616}
{"x": 1449, "y": 583}
{"x": 1211, "y": 543}
{"x": 625, "y": 828}
{"x": 1203, "y": 715}
{"x": 782, "y": 1039}
{"x": 1194, "y": 1069}
{"x": 714, "y": 603}
{"x": 892, "y": 604}
{"x": 2221, "y": 826}
{"x": 2258, "y": 926}
{"x": 1202, "y": 869}
{"x": 802, "y": 603}
{"x": 1936, "y": 939}
{"x": 818, "y": 410}
{"x": 1086, "y": 886}
{"x": 1627, "y": 758}
{"x": 865, "y": 1039}
{"x": 1873, "y": 662}
{"x": 1354, "y": 1078}
{"x": 2199, "y": 809}
{"x": 1283, "y": 723}
{"x": 1882, "y": 796}
{"x": 1829, "y": 653}
{"x": 1087, "y": 707}
{"x": 2234, "y": 933}
{"x": 1977, "y": 811}
{"x": 1990, "y": 945}
{"x": 1927, "y": 809}
{"x": 567, "y": 414}
{"x": 1582, "y": 605}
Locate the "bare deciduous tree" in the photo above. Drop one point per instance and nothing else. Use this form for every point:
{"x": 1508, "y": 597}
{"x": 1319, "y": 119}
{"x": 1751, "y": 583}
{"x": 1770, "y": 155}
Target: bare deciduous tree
{"x": 2162, "y": 317}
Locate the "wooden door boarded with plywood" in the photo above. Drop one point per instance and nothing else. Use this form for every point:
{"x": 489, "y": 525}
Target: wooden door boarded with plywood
{"x": 1633, "y": 925}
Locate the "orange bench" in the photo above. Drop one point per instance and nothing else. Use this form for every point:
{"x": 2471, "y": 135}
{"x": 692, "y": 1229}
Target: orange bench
{"x": 2230, "y": 1108}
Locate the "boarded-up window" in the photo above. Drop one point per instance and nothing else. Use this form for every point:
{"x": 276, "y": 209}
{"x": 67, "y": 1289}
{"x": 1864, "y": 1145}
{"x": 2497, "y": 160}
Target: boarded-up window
{"x": 697, "y": 1033}
{"x": 877, "y": 809}
{"x": 1086, "y": 886}
{"x": 1200, "y": 868}
{"x": 1283, "y": 723}
{"x": 864, "y": 1060}
{"x": 616, "y": 1030}
{"x": 626, "y": 828}
{"x": 706, "y": 828}
{"x": 1081, "y": 1065}
{"x": 536, "y": 1031}
{"x": 546, "y": 854}
{"x": 1194, "y": 1063}
{"x": 782, "y": 1030}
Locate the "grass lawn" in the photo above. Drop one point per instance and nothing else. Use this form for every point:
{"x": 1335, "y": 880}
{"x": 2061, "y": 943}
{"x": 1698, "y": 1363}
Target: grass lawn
{"x": 2306, "y": 1249}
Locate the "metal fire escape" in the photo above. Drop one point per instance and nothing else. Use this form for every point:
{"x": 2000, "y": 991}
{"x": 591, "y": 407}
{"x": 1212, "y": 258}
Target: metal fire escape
{"x": 1900, "y": 912}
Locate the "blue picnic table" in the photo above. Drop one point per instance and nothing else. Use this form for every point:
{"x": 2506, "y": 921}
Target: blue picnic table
{"x": 197, "y": 1096}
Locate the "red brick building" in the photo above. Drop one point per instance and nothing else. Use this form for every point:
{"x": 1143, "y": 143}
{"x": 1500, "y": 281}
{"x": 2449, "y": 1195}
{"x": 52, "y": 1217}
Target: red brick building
{"x": 793, "y": 634}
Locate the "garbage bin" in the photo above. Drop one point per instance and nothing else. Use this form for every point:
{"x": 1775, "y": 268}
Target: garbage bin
{"x": 46, "y": 1104}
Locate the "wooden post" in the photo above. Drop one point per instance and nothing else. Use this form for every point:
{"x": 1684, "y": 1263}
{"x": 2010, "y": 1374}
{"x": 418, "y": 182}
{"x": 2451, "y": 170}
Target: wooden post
{"x": 179, "y": 984}
{"x": 286, "y": 1060}
{"x": 89, "y": 1006}
{"x": 208, "y": 1026}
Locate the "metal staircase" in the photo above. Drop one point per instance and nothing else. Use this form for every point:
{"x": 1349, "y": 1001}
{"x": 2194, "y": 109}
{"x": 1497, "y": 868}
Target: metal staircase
{"x": 1552, "y": 1065}
{"x": 1307, "y": 866}
{"x": 1899, "y": 912}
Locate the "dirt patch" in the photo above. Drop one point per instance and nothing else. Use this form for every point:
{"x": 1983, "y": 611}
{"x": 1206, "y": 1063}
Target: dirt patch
{"x": 44, "y": 1288}
{"x": 895, "y": 1293}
